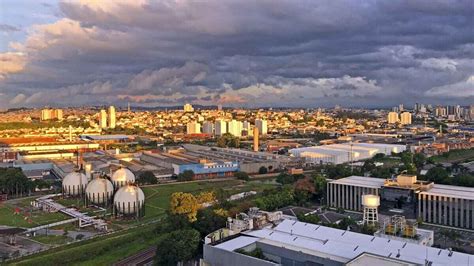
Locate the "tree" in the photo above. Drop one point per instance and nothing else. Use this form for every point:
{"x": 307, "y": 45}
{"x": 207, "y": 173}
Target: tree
{"x": 285, "y": 178}
{"x": 311, "y": 218}
{"x": 209, "y": 220}
{"x": 419, "y": 159}
{"x": 378, "y": 156}
{"x": 320, "y": 184}
{"x": 187, "y": 175}
{"x": 146, "y": 178}
{"x": 177, "y": 246}
{"x": 304, "y": 190}
{"x": 184, "y": 203}
{"x": 263, "y": 170}
{"x": 368, "y": 166}
{"x": 438, "y": 175}
{"x": 228, "y": 140}
{"x": 242, "y": 176}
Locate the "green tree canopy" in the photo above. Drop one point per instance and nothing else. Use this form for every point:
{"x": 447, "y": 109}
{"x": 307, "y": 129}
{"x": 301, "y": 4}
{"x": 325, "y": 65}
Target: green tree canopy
{"x": 177, "y": 246}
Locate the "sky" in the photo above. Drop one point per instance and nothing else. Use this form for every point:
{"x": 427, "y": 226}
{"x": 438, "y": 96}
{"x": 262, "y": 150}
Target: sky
{"x": 242, "y": 53}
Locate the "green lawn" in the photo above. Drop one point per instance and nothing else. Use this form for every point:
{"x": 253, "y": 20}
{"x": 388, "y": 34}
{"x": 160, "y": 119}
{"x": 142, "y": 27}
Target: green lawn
{"x": 52, "y": 239}
{"x": 454, "y": 156}
{"x": 28, "y": 217}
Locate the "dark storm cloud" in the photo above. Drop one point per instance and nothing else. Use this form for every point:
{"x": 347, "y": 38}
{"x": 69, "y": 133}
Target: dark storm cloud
{"x": 297, "y": 53}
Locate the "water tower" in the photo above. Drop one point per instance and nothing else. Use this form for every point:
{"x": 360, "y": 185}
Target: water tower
{"x": 371, "y": 204}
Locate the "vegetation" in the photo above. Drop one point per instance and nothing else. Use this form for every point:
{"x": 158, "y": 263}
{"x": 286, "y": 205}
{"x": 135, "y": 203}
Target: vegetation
{"x": 187, "y": 175}
{"x": 311, "y": 218}
{"x": 275, "y": 199}
{"x": 454, "y": 156}
{"x": 177, "y": 246}
{"x": 228, "y": 140}
{"x": 242, "y": 176}
{"x": 188, "y": 204}
{"x": 285, "y": 178}
{"x": 52, "y": 239}
{"x": 147, "y": 178}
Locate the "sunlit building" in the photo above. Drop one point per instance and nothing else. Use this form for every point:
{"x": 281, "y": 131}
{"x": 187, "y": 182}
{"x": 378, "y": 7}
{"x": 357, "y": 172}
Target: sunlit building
{"x": 392, "y": 118}
{"x": 405, "y": 118}
{"x": 188, "y": 108}
{"x": 262, "y": 126}
{"x": 220, "y": 127}
{"x": 103, "y": 119}
{"x": 112, "y": 117}
{"x": 193, "y": 128}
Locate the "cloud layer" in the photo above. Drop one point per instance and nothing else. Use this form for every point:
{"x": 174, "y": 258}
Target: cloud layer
{"x": 245, "y": 53}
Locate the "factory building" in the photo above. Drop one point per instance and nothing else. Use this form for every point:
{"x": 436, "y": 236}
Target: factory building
{"x": 297, "y": 243}
{"x": 439, "y": 204}
{"x": 344, "y": 153}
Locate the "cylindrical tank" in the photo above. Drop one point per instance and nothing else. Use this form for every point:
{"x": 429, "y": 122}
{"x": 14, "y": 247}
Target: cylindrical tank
{"x": 371, "y": 201}
{"x": 122, "y": 177}
{"x": 129, "y": 199}
{"x": 74, "y": 183}
{"x": 99, "y": 190}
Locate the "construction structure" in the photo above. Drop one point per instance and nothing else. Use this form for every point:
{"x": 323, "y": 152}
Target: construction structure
{"x": 397, "y": 227}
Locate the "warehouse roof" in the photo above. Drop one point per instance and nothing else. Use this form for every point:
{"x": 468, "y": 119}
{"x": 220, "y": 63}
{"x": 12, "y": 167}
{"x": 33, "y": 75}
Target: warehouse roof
{"x": 360, "y": 181}
{"x": 340, "y": 245}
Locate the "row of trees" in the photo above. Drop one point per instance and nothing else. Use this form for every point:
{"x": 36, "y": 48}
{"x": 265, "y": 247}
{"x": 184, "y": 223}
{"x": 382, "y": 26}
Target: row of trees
{"x": 14, "y": 183}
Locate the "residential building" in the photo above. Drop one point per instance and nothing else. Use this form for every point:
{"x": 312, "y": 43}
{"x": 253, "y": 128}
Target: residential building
{"x": 112, "y": 118}
{"x": 208, "y": 128}
{"x": 405, "y": 118}
{"x": 234, "y": 127}
{"x": 220, "y": 127}
{"x": 262, "y": 126}
{"x": 103, "y": 119}
{"x": 392, "y": 118}
{"x": 188, "y": 108}
{"x": 193, "y": 128}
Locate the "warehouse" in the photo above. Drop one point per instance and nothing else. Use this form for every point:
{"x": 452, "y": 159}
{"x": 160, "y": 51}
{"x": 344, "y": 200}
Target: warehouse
{"x": 344, "y": 153}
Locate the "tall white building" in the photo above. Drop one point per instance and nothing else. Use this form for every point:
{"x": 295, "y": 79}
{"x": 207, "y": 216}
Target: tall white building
{"x": 208, "y": 127}
{"x": 392, "y": 118}
{"x": 234, "y": 127}
{"x": 220, "y": 127}
{"x": 405, "y": 118}
{"x": 103, "y": 119}
{"x": 111, "y": 117}
{"x": 188, "y": 108}
{"x": 262, "y": 126}
{"x": 193, "y": 128}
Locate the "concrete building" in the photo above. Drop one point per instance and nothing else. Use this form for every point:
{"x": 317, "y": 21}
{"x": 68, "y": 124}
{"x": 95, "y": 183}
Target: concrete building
{"x": 103, "y": 119}
{"x": 188, "y": 108}
{"x": 51, "y": 114}
{"x": 392, "y": 118}
{"x": 255, "y": 139}
{"x": 262, "y": 126}
{"x": 193, "y": 128}
{"x": 405, "y": 118}
{"x": 297, "y": 243}
{"x": 234, "y": 127}
{"x": 112, "y": 117}
{"x": 343, "y": 153}
{"x": 208, "y": 128}
{"x": 220, "y": 127}
{"x": 439, "y": 204}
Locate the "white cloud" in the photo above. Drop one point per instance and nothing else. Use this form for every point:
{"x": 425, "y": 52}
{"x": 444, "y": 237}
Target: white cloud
{"x": 461, "y": 89}
{"x": 439, "y": 64}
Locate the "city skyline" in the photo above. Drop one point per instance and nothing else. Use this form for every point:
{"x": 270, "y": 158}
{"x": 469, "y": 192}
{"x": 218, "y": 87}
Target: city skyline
{"x": 278, "y": 54}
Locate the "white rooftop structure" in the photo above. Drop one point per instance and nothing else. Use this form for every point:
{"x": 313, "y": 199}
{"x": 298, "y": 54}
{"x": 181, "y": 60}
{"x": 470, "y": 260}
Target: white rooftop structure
{"x": 451, "y": 191}
{"x": 343, "y": 246}
{"x": 362, "y": 181}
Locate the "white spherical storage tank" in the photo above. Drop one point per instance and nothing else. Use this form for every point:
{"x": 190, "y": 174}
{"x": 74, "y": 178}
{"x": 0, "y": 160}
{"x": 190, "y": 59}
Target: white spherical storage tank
{"x": 122, "y": 177}
{"x": 99, "y": 190}
{"x": 128, "y": 200}
{"x": 74, "y": 183}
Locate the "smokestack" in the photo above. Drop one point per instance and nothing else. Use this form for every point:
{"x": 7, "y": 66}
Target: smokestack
{"x": 88, "y": 171}
{"x": 70, "y": 133}
{"x": 255, "y": 139}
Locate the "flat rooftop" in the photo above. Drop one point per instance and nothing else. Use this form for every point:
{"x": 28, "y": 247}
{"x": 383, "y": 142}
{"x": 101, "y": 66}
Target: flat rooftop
{"x": 451, "y": 191}
{"x": 343, "y": 246}
{"x": 362, "y": 181}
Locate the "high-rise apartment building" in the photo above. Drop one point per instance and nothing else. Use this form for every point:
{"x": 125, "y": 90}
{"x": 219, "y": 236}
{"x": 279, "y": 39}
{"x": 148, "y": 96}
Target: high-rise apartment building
{"x": 112, "y": 117}
{"x": 208, "y": 128}
{"x": 193, "y": 128}
{"x": 220, "y": 127}
{"x": 392, "y": 118}
{"x": 103, "y": 119}
{"x": 234, "y": 127}
{"x": 51, "y": 114}
{"x": 188, "y": 108}
{"x": 401, "y": 108}
{"x": 405, "y": 118}
{"x": 262, "y": 126}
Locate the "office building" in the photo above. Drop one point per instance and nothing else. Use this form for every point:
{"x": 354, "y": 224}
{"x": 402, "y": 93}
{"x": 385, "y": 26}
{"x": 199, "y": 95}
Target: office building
{"x": 188, "y": 108}
{"x": 193, "y": 128}
{"x": 405, "y": 118}
{"x": 208, "y": 128}
{"x": 262, "y": 126}
{"x": 392, "y": 118}
{"x": 234, "y": 127}
{"x": 220, "y": 127}
{"x": 103, "y": 119}
{"x": 439, "y": 204}
{"x": 112, "y": 118}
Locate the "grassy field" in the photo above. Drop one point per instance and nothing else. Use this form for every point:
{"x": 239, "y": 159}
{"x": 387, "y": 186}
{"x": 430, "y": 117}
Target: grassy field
{"x": 454, "y": 156}
{"x": 52, "y": 239}
{"x": 28, "y": 216}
